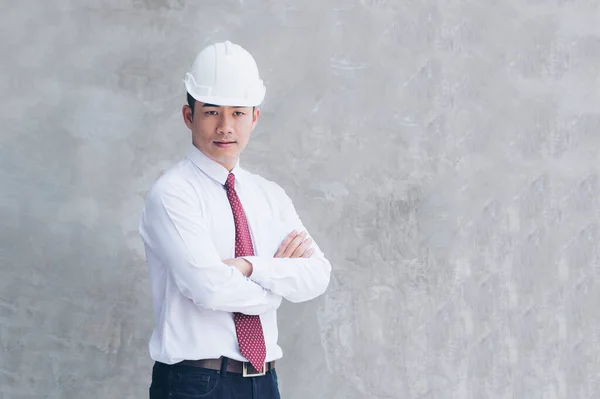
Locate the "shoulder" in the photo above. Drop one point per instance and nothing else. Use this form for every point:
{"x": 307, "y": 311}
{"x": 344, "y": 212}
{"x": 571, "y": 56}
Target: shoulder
{"x": 269, "y": 187}
{"x": 272, "y": 193}
{"x": 177, "y": 180}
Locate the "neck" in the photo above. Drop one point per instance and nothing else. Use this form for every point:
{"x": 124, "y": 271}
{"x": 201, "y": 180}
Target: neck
{"x": 229, "y": 167}
{"x": 227, "y": 164}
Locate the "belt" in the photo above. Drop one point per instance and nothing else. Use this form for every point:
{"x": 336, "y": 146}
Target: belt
{"x": 230, "y": 365}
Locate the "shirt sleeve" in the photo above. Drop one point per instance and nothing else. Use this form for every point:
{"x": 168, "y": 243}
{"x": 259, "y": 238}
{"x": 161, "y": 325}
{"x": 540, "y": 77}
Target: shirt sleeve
{"x": 296, "y": 279}
{"x": 173, "y": 228}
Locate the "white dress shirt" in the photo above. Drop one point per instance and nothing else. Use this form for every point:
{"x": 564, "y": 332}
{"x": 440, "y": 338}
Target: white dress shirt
{"x": 188, "y": 229}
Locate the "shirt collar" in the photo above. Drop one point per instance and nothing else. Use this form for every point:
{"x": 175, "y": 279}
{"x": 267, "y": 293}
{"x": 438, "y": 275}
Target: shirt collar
{"x": 213, "y": 169}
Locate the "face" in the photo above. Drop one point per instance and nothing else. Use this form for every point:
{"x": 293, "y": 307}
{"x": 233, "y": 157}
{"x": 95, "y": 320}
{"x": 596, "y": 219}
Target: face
{"x": 221, "y": 132}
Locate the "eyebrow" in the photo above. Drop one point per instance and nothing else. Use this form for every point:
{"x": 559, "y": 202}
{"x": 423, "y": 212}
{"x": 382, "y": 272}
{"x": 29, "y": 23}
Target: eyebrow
{"x": 219, "y": 106}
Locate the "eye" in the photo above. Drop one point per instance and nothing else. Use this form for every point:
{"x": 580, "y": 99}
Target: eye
{"x": 238, "y": 113}
{"x": 211, "y": 113}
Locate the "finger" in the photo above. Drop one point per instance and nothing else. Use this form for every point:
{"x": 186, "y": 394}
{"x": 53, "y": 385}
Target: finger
{"x": 285, "y": 244}
{"x": 294, "y": 244}
{"x": 302, "y": 248}
{"x": 308, "y": 253}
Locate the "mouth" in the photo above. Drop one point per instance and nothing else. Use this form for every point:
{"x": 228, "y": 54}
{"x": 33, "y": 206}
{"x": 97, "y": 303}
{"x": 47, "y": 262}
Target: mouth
{"x": 224, "y": 143}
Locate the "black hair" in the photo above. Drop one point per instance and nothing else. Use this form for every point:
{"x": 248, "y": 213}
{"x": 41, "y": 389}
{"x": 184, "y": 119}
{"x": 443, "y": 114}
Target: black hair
{"x": 191, "y": 102}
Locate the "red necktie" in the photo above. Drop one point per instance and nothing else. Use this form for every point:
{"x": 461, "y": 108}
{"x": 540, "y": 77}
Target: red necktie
{"x": 248, "y": 328}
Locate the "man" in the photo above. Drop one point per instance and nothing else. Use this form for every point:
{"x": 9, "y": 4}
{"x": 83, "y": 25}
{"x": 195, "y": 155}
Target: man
{"x": 223, "y": 246}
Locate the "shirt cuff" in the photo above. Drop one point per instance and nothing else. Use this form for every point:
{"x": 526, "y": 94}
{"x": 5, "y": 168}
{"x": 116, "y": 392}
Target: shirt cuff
{"x": 261, "y": 270}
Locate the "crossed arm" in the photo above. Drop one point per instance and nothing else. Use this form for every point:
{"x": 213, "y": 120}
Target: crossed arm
{"x": 295, "y": 245}
{"x": 299, "y": 270}
{"x": 174, "y": 231}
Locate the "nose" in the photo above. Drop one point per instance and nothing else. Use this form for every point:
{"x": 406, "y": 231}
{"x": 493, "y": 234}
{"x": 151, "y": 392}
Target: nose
{"x": 225, "y": 125}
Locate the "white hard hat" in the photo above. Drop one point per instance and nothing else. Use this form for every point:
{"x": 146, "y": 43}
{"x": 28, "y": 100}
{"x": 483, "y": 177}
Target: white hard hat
{"x": 225, "y": 74}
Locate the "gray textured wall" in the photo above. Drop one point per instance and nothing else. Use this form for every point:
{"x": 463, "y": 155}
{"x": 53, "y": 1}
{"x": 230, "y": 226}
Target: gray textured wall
{"x": 443, "y": 153}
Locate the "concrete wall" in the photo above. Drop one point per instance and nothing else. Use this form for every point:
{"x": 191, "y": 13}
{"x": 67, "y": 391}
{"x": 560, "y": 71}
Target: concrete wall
{"x": 443, "y": 153}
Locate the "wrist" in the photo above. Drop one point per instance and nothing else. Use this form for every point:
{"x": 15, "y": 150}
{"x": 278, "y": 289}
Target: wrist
{"x": 248, "y": 268}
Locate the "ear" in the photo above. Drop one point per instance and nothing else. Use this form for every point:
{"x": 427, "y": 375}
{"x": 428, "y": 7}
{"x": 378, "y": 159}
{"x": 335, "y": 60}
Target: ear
{"x": 255, "y": 117}
{"x": 188, "y": 118}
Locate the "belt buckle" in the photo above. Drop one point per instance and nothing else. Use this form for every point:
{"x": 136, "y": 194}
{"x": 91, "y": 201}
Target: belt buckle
{"x": 246, "y": 373}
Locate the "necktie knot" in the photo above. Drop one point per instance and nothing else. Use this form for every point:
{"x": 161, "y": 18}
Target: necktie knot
{"x": 230, "y": 182}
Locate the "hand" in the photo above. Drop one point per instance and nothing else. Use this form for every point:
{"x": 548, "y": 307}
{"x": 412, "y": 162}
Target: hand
{"x": 241, "y": 264}
{"x": 295, "y": 246}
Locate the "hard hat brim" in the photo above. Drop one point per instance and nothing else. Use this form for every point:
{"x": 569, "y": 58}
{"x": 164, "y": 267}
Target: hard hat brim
{"x": 253, "y": 101}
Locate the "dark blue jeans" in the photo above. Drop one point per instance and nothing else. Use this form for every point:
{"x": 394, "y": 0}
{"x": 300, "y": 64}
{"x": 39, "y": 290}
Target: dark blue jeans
{"x": 186, "y": 382}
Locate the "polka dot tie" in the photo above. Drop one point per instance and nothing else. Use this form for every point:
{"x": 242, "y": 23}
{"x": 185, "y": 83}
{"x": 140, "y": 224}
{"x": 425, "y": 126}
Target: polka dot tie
{"x": 248, "y": 328}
